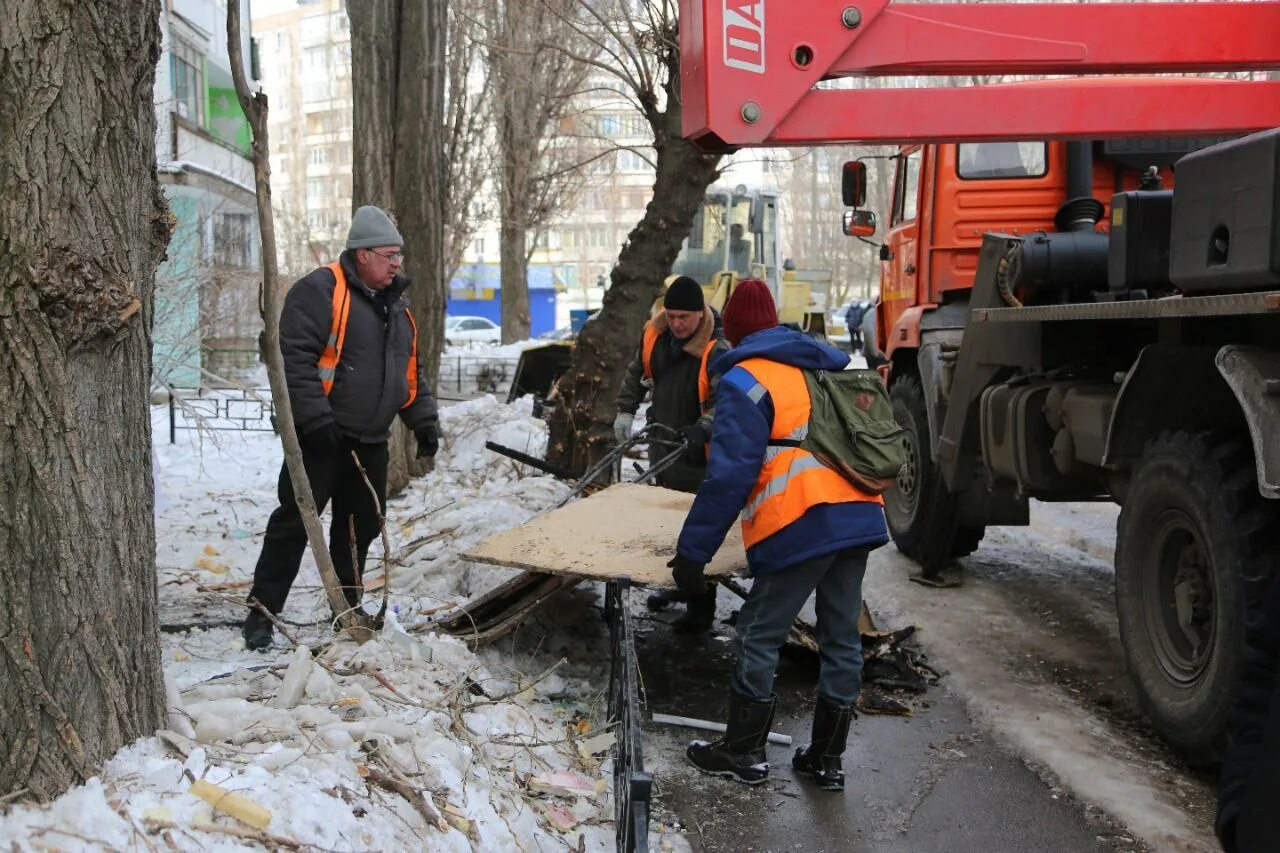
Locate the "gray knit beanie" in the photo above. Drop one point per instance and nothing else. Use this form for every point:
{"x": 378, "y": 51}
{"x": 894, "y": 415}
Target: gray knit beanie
{"x": 372, "y": 227}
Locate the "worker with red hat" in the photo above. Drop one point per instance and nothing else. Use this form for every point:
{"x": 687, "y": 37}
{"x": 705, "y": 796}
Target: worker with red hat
{"x": 807, "y": 529}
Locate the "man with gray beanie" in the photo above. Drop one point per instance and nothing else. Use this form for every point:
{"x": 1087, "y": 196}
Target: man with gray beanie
{"x": 351, "y": 361}
{"x": 674, "y": 361}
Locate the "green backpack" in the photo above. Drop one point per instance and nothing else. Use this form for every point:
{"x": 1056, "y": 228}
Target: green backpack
{"x": 852, "y": 429}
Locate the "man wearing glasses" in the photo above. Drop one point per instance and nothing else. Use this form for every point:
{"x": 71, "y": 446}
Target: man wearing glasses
{"x": 351, "y": 362}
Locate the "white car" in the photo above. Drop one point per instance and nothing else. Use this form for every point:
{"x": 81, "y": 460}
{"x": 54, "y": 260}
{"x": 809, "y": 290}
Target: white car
{"x": 471, "y": 330}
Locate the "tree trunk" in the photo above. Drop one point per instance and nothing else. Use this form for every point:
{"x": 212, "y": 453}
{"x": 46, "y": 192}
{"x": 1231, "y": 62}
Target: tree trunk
{"x": 581, "y": 424}
{"x": 519, "y": 89}
{"x": 83, "y": 227}
{"x": 398, "y": 82}
{"x": 515, "y": 273}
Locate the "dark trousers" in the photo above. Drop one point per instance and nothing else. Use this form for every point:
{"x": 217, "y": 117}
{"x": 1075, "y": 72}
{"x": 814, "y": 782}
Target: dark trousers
{"x": 771, "y": 608}
{"x": 333, "y": 475}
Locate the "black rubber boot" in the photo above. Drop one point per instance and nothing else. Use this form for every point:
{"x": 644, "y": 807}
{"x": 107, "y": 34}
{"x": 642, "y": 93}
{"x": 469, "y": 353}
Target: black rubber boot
{"x": 258, "y": 632}
{"x": 699, "y": 613}
{"x": 663, "y": 598}
{"x": 739, "y": 754}
{"x": 821, "y": 758}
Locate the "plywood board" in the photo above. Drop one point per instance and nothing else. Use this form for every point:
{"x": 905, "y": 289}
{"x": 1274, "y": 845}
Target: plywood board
{"x": 625, "y": 530}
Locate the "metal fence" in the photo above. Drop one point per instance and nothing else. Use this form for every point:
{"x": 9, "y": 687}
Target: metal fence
{"x": 632, "y": 786}
{"x": 467, "y": 375}
{"x": 236, "y": 409}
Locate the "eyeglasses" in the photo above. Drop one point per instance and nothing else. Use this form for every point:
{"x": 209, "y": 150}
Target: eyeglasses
{"x": 394, "y": 257}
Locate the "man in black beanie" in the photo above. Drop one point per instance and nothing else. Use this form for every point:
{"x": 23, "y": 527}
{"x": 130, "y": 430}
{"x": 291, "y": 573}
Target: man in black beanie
{"x": 680, "y": 342}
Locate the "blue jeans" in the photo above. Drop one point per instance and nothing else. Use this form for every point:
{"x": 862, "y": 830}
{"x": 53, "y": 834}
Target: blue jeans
{"x": 772, "y": 606}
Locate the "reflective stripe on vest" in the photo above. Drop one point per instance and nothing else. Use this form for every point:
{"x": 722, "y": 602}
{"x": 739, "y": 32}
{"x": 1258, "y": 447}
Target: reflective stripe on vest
{"x": 327, "y": 364}
{"x": 791, "y": 480}
{"x": 650, "y": 340}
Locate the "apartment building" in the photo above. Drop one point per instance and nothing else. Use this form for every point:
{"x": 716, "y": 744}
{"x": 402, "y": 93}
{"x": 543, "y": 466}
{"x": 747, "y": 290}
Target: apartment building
{"x": 206, "y": 294}
{"x": 305, "y": 57}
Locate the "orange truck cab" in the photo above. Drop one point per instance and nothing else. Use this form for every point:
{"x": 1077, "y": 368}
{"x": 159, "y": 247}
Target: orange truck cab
{"x": 946, "y": 197}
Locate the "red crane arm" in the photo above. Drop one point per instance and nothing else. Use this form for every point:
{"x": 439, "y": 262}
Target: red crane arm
{"x": 749, "y": 69}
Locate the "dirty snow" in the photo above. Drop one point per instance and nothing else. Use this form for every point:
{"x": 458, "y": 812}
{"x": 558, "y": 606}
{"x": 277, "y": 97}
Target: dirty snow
{"x": 510, "y": 761}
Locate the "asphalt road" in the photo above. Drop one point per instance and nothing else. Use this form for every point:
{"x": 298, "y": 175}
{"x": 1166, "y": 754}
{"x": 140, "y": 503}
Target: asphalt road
{"x": 1032, "y": 741}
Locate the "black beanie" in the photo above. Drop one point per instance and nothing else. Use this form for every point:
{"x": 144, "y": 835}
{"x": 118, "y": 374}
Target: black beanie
{"x": 684, "y": 294}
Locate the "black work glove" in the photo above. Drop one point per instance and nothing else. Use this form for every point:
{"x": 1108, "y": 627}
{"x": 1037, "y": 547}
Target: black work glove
{"x": 696, "y": 435}
{"x": 688, "y": 575}
{"x": 428, "y": 441}
{"x": 325, "y": 439}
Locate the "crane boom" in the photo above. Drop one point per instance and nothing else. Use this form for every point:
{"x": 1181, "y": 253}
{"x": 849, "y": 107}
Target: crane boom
{"x": 752, "y": 71}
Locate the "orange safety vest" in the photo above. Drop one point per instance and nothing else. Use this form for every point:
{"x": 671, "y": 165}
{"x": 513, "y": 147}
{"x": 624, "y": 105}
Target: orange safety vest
{"x": 327, "y": 365}
{"x": 650, "y": 339}
{"x": 792, "y": 479}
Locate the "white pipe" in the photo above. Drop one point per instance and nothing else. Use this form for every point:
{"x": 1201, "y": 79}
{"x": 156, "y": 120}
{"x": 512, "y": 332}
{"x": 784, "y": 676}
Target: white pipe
{"x": 708, "y": 726}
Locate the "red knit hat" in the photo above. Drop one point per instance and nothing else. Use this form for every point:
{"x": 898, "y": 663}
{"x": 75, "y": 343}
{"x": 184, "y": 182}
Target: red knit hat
{"x": 749, "y": 310}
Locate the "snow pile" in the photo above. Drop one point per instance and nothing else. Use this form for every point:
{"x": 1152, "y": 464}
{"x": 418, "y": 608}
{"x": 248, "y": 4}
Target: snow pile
{"x": 410, "y": 741}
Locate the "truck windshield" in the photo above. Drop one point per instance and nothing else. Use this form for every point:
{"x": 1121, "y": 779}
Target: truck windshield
{"x": 722, "y": 239}
{"x": 986, "y": 160}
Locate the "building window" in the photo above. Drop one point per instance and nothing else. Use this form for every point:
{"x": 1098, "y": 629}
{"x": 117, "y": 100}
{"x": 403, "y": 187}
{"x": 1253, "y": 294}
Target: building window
{"x": 316, "y": 58}
{"x": 318, "y": 156}
{"x": 607, "y": 125}
{"x": 316, "y": 91}
{"x": 233, "y": 240}
{"x": 317, "y": 188}
{"x": 187, "y": 67}
{"x": 630, "y": 161}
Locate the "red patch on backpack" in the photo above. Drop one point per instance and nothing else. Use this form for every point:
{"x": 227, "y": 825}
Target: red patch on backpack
{"x": 865, "y": 401}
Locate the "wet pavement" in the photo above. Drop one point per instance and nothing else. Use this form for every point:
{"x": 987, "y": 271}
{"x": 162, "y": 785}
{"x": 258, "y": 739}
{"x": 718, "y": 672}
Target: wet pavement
{"x": 1032, "y": 740}
{"x": 929, "y": 782}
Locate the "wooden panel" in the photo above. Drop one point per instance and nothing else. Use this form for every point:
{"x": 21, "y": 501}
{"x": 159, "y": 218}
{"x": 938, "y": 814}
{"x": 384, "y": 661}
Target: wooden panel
{"x": 624, "y": 530}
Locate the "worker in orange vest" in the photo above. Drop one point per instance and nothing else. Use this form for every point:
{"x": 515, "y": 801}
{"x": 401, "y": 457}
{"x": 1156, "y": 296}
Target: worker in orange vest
{"x": 673, "y": 361}
{"x": 350, "y": 350}
{"x": 807, "y": 529}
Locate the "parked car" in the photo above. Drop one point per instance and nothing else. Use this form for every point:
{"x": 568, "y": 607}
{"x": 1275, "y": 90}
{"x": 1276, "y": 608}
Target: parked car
{"x": 470, "y": 330}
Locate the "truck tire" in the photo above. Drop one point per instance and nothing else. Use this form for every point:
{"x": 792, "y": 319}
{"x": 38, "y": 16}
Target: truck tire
{"x": 1195, "y": 544}
{"x": 912, "y": 507}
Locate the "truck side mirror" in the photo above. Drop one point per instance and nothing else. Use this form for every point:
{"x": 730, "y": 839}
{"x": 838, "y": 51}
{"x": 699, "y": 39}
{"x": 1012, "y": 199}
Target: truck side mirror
{"x": 853, "y": 183}
{"x": 859, "y": 223}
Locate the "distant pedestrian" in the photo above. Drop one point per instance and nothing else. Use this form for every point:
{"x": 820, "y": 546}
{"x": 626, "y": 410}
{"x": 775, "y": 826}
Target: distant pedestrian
{"x": 853, "y": 322}
{"x": 805, "y": 526}
{"x": 351, "y": 361}
{"x": 673, "y": 360}
{"x": 1249, "y": 799}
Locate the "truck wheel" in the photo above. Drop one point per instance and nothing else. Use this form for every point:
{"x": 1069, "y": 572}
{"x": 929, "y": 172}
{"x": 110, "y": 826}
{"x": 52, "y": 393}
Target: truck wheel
{"x": 1195, "y": 540}
{"x": 910, "y": 507}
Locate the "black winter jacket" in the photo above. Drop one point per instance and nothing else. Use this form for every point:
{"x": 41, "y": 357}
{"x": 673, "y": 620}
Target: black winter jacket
{"x": 371, "y": 382}
{"x": 675, "y": 402}
{"x": 1249, "y": 799}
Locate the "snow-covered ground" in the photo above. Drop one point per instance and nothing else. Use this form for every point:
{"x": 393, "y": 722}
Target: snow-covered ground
{"x": 315, "y": 734}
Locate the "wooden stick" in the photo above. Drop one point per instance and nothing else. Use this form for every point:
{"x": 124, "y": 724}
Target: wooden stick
{"x": 417, "y": 798}
{"x": 264, "y": 838}
{"x": 254, "y": 105}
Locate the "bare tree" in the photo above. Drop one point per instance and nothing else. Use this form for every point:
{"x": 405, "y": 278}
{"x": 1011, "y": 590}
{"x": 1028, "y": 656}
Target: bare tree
{"x": 815, "y": 207}
{"x": 413, "y": 113}
{"x": 536, "y": 91}
{"x": 84, "y": 227}
{"x": 639, "y": 60}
